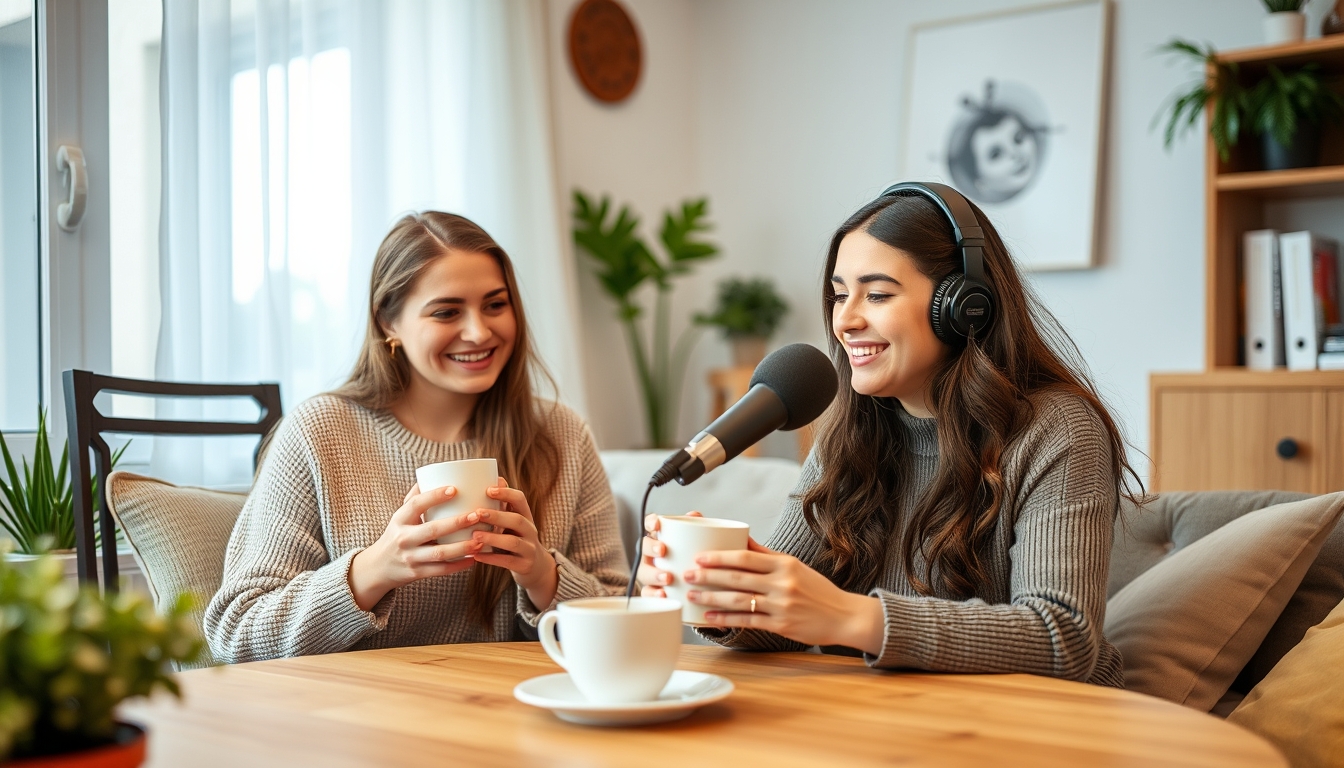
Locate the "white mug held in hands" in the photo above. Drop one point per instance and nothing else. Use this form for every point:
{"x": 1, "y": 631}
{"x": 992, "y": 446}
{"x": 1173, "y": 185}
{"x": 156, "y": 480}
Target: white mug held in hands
{"x": 685, "y": 537}
{"x": 615, "y": 654}
{"x": 471, "y": 478}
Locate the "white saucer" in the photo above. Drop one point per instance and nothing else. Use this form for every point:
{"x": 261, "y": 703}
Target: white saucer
{"x": 683, "y": 694}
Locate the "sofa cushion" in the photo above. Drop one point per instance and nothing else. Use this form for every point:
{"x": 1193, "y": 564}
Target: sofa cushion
{"x": 178, "y": 535}
{"x": 1173, "y": 521}
{"x": 1188, "y": 625}
{"x": 1299, "y": 706}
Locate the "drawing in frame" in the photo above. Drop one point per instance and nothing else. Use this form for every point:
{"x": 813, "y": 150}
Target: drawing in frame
{"x": 1009, "y": 108}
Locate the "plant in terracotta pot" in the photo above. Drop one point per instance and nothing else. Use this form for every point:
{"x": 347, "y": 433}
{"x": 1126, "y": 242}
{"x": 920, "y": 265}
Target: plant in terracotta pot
{"x": 69, "y": 655}
{"x": 748, "y": 311}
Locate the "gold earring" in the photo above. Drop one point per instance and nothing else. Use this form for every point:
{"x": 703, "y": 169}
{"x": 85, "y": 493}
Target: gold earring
{"x": 391, "y": 346}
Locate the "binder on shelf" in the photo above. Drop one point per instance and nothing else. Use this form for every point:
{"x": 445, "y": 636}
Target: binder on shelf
{"x": 1311, "y": 293}
{"x": 1331, "y": 361}
{"x": 1264, "y": 304}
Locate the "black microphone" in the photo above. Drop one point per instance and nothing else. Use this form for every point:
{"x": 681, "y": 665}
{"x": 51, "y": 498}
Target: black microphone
{"x": 789, "y": 389}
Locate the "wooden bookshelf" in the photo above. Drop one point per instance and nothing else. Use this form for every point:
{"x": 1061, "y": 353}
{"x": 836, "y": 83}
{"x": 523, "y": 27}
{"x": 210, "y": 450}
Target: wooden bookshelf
{"x": 1220, "y": 428}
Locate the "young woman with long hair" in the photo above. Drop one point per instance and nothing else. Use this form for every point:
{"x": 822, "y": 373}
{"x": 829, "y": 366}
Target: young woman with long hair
{"x": 956, "y": 511}
{"x": 330, "y": 552}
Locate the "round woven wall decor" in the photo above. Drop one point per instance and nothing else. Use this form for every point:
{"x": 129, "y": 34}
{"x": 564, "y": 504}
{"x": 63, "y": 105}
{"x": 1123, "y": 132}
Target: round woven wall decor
{"x": 604, "y": 49}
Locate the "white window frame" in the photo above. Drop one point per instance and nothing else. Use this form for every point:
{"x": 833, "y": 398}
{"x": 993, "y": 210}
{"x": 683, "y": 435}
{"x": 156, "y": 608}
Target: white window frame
{"x": 72, "y": 109}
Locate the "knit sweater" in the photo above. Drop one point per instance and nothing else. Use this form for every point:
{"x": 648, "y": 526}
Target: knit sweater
{"x": 331, "y": 479}
{"x": 1043, "y": 606}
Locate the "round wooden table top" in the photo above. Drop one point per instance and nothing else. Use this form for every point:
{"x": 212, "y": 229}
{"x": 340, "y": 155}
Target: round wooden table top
{"x": 453, "y": 704}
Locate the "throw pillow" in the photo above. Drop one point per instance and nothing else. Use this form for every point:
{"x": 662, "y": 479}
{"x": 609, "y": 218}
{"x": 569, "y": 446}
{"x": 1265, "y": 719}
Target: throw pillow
{"x": 1299, "y": 706}
{"x": 1189, "y": 624}
{"x": 178, "y": 535}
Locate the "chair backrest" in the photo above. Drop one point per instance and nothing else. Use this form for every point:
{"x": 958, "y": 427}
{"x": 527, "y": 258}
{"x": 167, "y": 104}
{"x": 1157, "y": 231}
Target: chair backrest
{"x": 86, "y": 426}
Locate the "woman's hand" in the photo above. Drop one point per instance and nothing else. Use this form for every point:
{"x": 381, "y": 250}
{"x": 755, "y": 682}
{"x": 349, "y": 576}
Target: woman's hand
{"x": 407, "y": 550}
{"x": 648, "y": 575}
{"x": 791, "y": 599}
{"x": 517, "y": 545}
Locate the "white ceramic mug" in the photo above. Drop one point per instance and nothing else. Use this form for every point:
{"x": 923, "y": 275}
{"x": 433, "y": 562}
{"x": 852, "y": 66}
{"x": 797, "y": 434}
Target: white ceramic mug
{"x": 615, "y": 654}
{"x": 471, "y": 478}
{"x": 685, "y": 537}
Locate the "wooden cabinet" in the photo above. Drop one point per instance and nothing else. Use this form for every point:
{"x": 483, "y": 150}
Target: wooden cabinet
{"x": 1221, "y": 429}
{"x": 1237, "y": 429}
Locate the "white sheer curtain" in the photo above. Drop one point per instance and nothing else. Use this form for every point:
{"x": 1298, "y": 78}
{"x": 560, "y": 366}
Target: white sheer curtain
{"x": 295, "y": 133}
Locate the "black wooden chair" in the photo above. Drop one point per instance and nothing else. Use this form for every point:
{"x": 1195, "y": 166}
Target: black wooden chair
{"x": 86, "y": 426}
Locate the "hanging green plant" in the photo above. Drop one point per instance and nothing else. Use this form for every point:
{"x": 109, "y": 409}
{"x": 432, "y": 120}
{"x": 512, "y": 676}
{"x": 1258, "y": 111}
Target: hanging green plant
{"x": 1230, "y": 100}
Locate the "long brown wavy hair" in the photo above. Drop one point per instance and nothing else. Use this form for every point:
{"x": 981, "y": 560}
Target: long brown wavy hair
{"x": 979, "y": 395}
{"x": 509, "y": 420}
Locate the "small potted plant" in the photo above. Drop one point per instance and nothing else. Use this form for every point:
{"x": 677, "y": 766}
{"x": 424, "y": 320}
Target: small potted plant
{"x": 1286, "y": 108}
{"x": 748, "y": 311}
{"x": 1285, "y": 23}
{"x": 37, "y": 504}
{"x": 69, "y": 655}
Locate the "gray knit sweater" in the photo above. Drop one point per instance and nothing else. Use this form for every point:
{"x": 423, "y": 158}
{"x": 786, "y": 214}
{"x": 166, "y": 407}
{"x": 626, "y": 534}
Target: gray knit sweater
{"x": 1043, "y": 607}
{"x": 331, "y": 479}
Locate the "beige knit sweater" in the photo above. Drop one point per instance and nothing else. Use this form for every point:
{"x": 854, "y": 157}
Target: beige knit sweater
{"x": 1043, "y": 607}
{"x": 332, "y": 477}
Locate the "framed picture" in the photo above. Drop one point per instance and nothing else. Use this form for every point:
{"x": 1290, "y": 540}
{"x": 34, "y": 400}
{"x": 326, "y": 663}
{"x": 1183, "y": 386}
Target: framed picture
{"x": 1008, "y": 108}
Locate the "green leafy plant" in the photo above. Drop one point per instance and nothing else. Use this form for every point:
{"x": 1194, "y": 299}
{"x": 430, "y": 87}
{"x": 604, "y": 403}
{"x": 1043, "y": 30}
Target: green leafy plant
{"x": 746, "y": 308}
{"x": 70, "y": 655}
{"x": 1282, "y": 6}
{"x": 1283, "y": 101}
{"x": 625, "y": 264}
{"x": 38, "y": 504}
{"x": 1230, "y": 99}
{"x": 1277, "y": 104}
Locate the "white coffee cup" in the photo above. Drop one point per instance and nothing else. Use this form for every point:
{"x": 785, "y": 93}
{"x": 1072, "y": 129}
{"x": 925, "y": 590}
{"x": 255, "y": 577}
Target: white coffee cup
{"x": 613, "y": 654}
{"x": 685, "y": 537}
{"x": 471, "y": 478}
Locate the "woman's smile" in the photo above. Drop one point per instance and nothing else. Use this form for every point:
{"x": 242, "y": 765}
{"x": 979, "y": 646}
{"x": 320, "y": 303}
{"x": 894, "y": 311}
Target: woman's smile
{"x": 864, "y": 352}
{"x": 478, "y": 360}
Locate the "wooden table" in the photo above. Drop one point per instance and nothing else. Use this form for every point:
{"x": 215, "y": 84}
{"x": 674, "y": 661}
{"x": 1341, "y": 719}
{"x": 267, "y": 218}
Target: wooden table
{"x": 454, "y": 705}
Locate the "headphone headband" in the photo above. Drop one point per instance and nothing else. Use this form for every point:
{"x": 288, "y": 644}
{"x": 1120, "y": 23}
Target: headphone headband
{"x": 965, "y": 226}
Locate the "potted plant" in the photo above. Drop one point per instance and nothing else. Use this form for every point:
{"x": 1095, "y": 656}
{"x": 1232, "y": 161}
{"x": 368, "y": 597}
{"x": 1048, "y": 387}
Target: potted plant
{"x": 37, "y": 504}
{"x": 1285, "y": 23}
{"x": 1286, "y": 108}
{"x": 748, "y": 311}
{"x": 69, "y": 655}
{"x": 625, "y": 264}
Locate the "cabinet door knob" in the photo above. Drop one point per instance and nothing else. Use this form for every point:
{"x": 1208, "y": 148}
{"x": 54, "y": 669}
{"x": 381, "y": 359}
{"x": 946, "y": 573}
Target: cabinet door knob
{"x": 1287, "y": 448}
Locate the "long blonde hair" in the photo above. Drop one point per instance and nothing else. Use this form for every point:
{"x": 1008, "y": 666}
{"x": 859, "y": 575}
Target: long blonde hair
{"x": 508, "y": 422}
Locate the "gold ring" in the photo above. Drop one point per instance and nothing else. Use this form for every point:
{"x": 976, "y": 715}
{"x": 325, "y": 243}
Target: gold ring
{"x": 753, "y": 603}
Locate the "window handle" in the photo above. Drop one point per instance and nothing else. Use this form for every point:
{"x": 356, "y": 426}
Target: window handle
{"x": 75, "y": 180}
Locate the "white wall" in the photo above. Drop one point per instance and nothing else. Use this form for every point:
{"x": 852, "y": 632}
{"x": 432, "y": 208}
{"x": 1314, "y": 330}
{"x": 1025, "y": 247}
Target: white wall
{"x": 642, "y": 153}
{"x": 796, "y": 109}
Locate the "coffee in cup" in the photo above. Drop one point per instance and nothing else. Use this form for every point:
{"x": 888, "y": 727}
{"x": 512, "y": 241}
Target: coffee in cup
{"x": 685, "y": 537}
{"x": 471, "y": 478}
{"x": 614, "y": 653}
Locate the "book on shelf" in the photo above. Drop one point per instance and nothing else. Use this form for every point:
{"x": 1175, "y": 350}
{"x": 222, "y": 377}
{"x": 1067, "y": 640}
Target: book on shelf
{"x": 1330, "y": 361}
{"x": 1310, "y": 282}
{"x": 1264, "y": 300}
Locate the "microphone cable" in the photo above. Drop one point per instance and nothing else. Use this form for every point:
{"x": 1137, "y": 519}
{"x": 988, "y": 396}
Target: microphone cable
{"x": 639, "y": 543}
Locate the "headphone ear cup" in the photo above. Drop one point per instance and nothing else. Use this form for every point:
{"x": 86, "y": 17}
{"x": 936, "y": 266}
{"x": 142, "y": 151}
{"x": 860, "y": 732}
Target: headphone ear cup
{"x": 940, "y": 311}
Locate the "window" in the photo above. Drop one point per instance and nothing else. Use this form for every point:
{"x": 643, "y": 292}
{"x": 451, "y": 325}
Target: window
{"x": 20, "y": 357}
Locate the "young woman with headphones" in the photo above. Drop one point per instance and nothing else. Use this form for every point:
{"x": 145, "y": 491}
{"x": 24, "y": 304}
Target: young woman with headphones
{"x": 956, "y": 511}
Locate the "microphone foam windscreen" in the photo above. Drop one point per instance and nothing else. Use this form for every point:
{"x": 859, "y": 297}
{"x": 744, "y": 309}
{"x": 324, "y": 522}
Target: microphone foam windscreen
{"x": 803, "y": 377}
